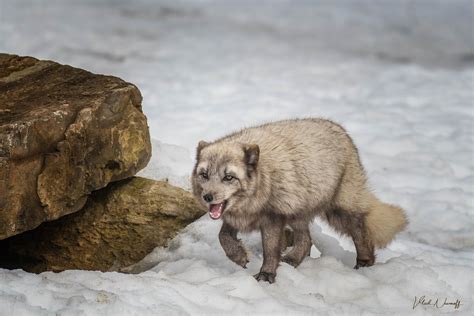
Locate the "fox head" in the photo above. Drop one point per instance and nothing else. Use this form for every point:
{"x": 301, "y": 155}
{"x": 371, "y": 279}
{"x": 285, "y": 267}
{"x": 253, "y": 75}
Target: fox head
{"x": 225, "y": 174}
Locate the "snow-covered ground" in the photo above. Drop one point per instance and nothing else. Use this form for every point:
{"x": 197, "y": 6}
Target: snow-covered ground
{"x": 397, "y": 74}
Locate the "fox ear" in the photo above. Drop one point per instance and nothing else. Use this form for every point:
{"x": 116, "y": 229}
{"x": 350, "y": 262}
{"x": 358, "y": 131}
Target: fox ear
{"x": 252, "y": 153}
{"x": 201, "y": 145}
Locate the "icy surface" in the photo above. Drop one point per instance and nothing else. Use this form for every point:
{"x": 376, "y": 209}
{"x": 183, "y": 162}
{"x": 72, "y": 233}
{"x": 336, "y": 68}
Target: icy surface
{"x": 397, "y": 75}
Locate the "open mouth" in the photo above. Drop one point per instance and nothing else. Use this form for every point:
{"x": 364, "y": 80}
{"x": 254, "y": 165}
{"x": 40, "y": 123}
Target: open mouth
{"x": 216, "y": 210}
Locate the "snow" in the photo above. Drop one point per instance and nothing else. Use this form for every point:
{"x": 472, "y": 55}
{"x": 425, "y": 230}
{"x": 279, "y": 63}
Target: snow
{"x": 397, "y": 75}
{"x": 169, "y": 162}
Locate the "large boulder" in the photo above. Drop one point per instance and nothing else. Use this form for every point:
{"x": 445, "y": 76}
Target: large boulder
{"x": 64, "y": 132}
{"x": 119, "y": 226}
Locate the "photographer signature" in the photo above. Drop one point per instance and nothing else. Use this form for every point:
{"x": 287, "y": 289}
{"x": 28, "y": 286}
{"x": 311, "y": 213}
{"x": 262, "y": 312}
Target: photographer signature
{"x": 423, "y": 300}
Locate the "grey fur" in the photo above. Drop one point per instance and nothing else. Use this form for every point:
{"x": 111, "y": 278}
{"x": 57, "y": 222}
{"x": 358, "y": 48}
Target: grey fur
{"x": 286, "y": 173}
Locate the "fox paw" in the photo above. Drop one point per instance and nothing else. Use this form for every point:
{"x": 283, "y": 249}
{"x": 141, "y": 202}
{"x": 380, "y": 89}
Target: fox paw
{"x": 364, "y": 263}
{"x": 265, "y": 276}
{"x": 240, "y": 257}
{"x": 291, "y": 261}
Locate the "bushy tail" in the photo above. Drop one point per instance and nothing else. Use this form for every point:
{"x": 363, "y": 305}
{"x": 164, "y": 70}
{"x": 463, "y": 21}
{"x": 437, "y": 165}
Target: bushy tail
{"x": 384, "y": 221}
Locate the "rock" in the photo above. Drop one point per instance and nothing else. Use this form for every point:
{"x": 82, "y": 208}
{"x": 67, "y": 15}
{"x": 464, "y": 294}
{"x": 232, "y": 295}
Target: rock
{"x": 64, "y": 132}
{"x": 119, "y": 226}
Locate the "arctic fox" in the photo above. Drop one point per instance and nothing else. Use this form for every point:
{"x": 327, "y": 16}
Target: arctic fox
{"x": 284, "y": 174}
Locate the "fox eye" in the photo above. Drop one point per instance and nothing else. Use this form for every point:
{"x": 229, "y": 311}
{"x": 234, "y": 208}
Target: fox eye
{"x": 204, "y": 175}
{"x": 228, "y": 177}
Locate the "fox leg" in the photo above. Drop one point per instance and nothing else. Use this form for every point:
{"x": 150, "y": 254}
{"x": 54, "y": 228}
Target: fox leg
{"x": 288, "y": 238}
{"x": 233, "y": 247}
{"x": 301, "y": 243}
{"x": 364, "y": 247}
{"x": 272, "y": 233}
{"x": 354, "y": 225}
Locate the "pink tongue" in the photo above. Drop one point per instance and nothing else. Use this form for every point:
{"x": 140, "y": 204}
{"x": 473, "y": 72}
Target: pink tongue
{"x": 216, "y": 211}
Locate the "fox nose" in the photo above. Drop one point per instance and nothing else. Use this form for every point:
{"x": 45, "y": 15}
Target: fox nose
{"x": 208, "y": 197}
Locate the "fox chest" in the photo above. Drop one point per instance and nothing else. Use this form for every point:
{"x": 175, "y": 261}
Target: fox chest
{"x": 242, "y": 222}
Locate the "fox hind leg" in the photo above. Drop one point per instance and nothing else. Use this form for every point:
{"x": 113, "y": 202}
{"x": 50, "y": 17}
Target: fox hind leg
{"x": 354, "y": 225}
{"x": 363, "y": 244}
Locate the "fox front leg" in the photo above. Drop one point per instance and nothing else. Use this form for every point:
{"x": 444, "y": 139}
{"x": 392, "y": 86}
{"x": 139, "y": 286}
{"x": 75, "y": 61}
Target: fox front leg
{"x": 233, "y": 247}
{"x": 301, "y": 243}
{"x": 272, "y": 233}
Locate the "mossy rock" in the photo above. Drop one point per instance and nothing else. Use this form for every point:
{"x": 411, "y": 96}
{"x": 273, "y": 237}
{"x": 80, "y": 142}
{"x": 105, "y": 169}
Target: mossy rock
{"x": 119, "y": 225}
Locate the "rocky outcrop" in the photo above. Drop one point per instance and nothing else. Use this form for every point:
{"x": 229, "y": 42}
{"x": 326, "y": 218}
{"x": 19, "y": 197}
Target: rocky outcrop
{"x": 118, "y": 226}
{"x": 64, "y": 132}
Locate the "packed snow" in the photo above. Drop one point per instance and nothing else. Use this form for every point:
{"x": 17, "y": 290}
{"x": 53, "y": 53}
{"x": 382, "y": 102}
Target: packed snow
{"x": 398, "y": 75}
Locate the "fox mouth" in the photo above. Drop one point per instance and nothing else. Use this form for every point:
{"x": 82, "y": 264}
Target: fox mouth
{"x": 216, "y": 210}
